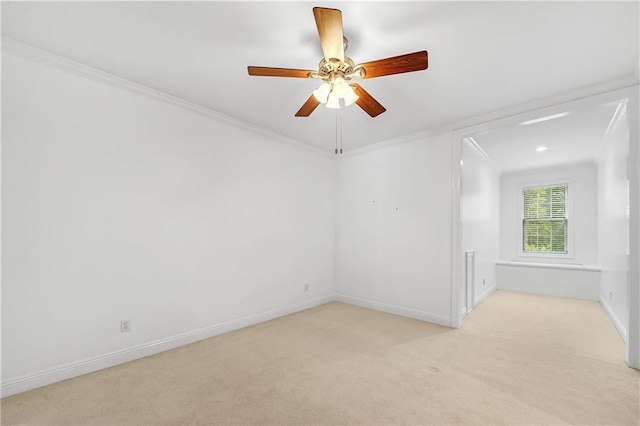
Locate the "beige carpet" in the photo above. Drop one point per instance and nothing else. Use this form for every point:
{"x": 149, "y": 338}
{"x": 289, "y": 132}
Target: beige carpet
{"x": 519, "y": 359}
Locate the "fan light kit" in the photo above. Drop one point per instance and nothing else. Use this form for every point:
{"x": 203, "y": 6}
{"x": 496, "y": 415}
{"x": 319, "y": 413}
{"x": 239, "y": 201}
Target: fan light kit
{"x": 337, "y": 70}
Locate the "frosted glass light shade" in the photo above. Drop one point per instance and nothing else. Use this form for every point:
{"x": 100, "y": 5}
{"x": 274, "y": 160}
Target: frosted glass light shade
{"x": 350, "y": 97}
{"x": 333, "y": 101}
{"x": 340, "y": 87}
{"x": 322, "y": 92}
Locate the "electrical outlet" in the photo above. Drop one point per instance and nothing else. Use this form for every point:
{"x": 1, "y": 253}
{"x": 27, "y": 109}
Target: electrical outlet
{"x": 483, "y": 282}
{"x": 610, "y": 295}
{"x": 306, "y": 287}
{"x": 125, "y": 326}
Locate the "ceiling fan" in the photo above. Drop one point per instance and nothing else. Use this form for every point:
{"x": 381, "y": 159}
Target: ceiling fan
{"x": 336, "y": 70}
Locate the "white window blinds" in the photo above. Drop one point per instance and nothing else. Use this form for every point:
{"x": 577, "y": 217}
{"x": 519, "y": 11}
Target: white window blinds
{"x": 544, "y": 226}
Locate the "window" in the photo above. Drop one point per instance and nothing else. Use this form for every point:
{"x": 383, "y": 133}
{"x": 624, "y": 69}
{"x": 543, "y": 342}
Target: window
{"x": 544, "y": 225}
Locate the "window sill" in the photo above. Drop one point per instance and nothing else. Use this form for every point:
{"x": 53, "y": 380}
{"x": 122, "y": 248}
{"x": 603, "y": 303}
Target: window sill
{"x": 542, "y": 256}
{"x": 570, "y": 266}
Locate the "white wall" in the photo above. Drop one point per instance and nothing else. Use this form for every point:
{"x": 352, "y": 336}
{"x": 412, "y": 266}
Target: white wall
{"x": 119, "y": 206}
{"x": 633, "y": 117}
{"x": 480, "y": 219}
{"x": 394, "y": 228}
{"x": 582, "y": 205}
{"x": 613, "y": 221}
{"x": 582, "y": 232}
{"x": 571, "y": 281}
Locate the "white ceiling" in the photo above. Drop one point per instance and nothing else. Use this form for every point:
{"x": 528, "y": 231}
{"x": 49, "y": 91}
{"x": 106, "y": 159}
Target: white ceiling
{"x": 483, "y": 56}
{"x": 574, "y": 138}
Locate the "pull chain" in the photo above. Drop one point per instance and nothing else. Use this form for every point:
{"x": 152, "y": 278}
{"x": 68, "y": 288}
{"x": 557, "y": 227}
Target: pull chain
{"x": 336, "y": 151}
{"x": 338, "y": 131}
{"x": 340, "y": 116}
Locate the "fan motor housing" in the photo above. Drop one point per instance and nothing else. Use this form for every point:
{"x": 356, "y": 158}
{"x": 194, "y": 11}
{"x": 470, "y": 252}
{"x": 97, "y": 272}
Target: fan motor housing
{"x": 333, "y": 68}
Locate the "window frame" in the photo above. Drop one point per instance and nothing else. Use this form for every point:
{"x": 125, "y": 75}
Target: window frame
{"x": 569, "y": 228}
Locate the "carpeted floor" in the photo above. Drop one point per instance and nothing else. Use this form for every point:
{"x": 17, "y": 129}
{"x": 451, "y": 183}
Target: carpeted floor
{"x": 519, "y": 359}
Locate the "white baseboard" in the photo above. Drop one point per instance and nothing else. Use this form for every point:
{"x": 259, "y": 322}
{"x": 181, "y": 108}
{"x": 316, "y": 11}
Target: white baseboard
{"x": 622, "y": 330}
{"x": 488, "y": 292}
{"x": 68, "y": 371}
{"x": 75, "y": 369}
{"x": 396, "y": 310}
{"x": 479, "y": 298}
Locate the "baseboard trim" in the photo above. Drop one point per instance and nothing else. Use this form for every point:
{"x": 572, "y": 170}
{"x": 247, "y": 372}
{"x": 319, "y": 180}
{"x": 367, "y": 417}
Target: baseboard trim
{"x": 488, "y": 292}
{"x": 479, "y": 298}
{"x": 396, "y": 310}
{"x": 622, "y": 330}
{"x": 75, "y": 369}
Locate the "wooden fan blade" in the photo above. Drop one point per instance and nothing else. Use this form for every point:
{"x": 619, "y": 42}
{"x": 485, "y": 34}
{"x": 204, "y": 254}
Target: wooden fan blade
{"x": 367, "y": 102}
{"x": 396, "y": 65}
{"x": 329, "y": 23}
{"x": 308, "y": 107}
{"x": 278, "y": 72}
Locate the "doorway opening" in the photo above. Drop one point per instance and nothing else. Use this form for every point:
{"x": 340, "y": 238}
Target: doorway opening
{"x": 547, "y": 206}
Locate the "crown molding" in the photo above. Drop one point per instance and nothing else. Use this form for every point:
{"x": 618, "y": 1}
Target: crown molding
{"x": 477, "y": 149}
{"x": 601, "y": 88}
{"x": 593, "y": 90}
{"x": 617, "y": 118}
{"x": 46, "y": 58}
{"x": 614, "y": 124}
{"x": 423, "y": 134}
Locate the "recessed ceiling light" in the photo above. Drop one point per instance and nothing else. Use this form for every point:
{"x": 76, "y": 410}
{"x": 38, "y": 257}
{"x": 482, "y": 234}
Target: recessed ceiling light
{"x": 542, "y": 148}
